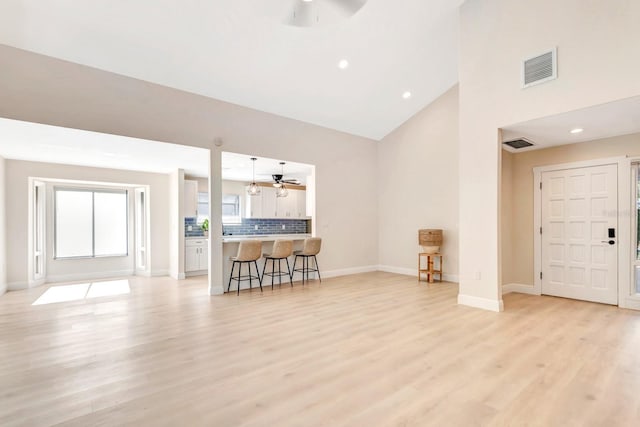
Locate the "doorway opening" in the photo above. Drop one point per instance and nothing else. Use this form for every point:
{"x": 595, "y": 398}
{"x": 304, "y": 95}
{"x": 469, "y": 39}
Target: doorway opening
{"x": 569, "y": 205}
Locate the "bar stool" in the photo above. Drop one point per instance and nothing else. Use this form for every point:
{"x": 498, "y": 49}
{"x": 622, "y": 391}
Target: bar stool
{"x": 310, "y": 249}
{"x": 249, "y": 252}
{"x": 282, "y": 249}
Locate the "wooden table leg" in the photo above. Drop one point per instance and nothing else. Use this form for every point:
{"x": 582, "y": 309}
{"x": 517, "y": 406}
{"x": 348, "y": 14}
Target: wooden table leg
{"x": 430, "y": 267}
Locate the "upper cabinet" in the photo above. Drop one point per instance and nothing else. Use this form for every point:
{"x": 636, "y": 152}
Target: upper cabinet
{"x": 253, "y": 206}
{"x": 190, "y": 198}
{"x": 268, "y": 205}
{"x": 301, "y": 203}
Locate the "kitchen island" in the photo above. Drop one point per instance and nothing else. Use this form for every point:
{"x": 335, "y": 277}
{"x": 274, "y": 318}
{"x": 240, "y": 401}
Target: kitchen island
{"x": 230, "y": 245}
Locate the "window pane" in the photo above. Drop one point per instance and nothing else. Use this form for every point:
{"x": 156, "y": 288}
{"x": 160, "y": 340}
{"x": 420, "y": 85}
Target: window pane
{"x": 73, "y": 223}
{"x": 638, "y": 212}
{"x": 228, "y": 210}
{"x": 111, "y": 224}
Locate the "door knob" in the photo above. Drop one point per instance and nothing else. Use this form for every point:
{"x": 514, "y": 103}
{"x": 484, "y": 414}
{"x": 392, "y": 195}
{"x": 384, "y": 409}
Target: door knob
{"x": 611, "y": 242}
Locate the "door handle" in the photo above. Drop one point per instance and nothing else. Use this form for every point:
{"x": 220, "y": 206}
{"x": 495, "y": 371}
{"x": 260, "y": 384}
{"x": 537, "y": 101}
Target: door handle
{"x": 611, "y": 242}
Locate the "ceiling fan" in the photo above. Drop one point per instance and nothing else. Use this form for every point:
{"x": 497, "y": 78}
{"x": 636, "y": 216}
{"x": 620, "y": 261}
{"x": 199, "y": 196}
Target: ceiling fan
{"x": 278, "y": 179}
{"x": 307, "y": 13}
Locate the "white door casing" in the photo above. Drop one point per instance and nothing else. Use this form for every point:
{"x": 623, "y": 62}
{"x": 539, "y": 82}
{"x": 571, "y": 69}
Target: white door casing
{"x": 578, "y": 207}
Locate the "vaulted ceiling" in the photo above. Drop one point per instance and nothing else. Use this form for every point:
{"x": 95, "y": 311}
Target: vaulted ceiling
{"x": 243, "y": 51}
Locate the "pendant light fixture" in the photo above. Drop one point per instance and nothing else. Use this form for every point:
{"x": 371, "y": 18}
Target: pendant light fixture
{"x": 281, "y": 190}
{"x": 253, "y": 189}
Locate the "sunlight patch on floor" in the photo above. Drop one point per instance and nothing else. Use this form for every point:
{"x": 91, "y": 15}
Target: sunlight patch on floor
{"x": 82, "y": 291}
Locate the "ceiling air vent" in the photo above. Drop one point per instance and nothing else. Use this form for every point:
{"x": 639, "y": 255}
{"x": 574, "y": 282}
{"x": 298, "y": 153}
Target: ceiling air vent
{"x": 519, "y": 143}
{"x": 540, "y": 68}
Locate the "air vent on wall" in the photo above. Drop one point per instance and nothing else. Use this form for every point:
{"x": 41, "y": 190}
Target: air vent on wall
{"x": 540, "y": 68}
{"x": 519, "y": 143}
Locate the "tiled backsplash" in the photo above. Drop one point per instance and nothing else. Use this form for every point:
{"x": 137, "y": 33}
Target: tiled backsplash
{"x": 196, "y": 230}
{"x": 267, "y": 226}
{"x": 248, "y": 227}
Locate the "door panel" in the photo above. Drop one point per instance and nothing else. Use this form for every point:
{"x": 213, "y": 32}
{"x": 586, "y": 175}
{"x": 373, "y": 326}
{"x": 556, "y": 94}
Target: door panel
{"x": 578, "y": 208}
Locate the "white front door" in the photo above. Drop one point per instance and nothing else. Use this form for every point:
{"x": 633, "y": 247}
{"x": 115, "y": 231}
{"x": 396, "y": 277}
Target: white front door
{"x": 579, "y": 211}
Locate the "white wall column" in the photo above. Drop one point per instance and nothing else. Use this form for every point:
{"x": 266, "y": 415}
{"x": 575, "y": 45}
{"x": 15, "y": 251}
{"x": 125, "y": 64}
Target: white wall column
{"x": 3, "y": 230}
{"x": 216, "y": 281}
{"x": 176, "y": 240}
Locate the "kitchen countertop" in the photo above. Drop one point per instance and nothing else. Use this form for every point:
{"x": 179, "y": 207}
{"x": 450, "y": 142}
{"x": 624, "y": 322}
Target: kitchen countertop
{"x": 263, "y": 237}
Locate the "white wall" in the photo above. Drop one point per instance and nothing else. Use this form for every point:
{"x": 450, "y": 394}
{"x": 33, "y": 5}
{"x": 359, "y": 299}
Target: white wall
{"x": 47, "y": 90}
{"x": 3, "y": 229}
{"x": 17, "y": 174}
{"x": 418, "y": 186}
{"x": 599, "y": 61}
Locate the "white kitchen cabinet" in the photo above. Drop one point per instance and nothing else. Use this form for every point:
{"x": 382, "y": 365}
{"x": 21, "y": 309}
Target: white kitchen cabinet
{"x": 269, "y": 203}
{"x": 301, "y": 204}
{"x": 190, "y": 205}
{"x": 253, "y": 206}
{"x": 196, "y": 256}
{"x": 285, "y": 205}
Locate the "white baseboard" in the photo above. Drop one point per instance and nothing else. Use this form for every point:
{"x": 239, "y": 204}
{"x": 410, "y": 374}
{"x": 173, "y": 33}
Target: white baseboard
{"x": 630, "y": 303}
{"x": 450, "y": 278}
{"x": 216, "y": 290}
{"x": 17, "y": 286}
{"x": 412, "y": 272}
{"x": 159, "y": 273}
{"x": 196, "y": 273}
{"x": 88, "y": 276}
{"x": 348, "y": 271}
{"x": 519, "y": 288}
{"x": 483, "y": 303}
{"x": 397, "y": 270}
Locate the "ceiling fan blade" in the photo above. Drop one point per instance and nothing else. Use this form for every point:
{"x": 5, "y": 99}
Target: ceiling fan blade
{"x": 346, "y": 7}
{"x": 303, "y": 14}
{"x": 291, "y": 181}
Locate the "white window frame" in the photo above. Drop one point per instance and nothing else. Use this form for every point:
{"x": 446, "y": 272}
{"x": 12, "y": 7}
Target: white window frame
{"x": 37, "y": 242}
{"x": 235, "y": 219}
{"x": 635, "y": 260}
{"x": 93, "y": 243}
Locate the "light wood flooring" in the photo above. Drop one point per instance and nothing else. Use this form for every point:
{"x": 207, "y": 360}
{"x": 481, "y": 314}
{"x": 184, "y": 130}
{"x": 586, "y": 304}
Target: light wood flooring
{"x": 373, "y": 349}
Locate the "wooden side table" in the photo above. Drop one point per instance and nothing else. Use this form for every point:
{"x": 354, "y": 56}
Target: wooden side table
{"x": 430, "y": 271}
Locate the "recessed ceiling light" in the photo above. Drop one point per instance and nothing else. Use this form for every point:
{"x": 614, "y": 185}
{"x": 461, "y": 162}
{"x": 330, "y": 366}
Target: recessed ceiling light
{"x": 343, "y": 64}
{"x": 406, "y": 95}
{"x": 576, "y": 130}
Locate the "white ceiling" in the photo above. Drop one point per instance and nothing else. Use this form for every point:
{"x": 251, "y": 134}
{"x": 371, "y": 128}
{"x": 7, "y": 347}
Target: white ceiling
{"x": 242, "y": 52}
{"x": 601, "y": 121}
{"x": 238, "y": 167}
{"x": 42, "y": 143}
{"x": 52, "y": 144}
